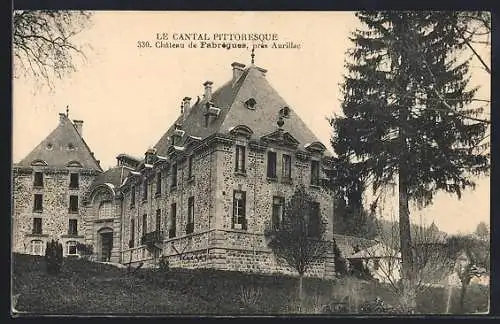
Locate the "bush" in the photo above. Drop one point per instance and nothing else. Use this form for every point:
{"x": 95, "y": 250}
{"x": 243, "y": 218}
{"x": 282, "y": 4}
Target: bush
{"x": 163, "y": 264}
{"x": 340, "y": 262}
{"x": 378, "y": 306}
{"x": 54, "y": 257}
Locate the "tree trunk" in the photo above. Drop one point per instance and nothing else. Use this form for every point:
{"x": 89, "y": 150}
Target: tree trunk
{"x": 301, "y": 290}
{"x": 408, "y": 300}
{"x": 463, "y": 291}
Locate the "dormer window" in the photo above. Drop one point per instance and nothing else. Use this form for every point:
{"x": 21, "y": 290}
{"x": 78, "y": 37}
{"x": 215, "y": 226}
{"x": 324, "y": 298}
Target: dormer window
{"x": 250, "y": 103}
{"x": 71, "y": 147}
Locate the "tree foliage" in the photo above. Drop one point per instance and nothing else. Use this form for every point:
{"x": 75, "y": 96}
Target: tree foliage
{"x": 406, "y": 94}
{"x": 43, "y": 42}
{"x": 299, "y": 241}
{"x": 472, "y": 259}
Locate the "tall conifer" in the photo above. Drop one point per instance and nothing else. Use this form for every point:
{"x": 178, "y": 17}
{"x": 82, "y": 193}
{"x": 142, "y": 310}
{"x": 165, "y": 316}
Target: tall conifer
{"x": 406, "y": 99}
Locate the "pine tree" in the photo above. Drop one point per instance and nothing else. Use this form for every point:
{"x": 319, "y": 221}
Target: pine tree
{"x": 405, "y": 95}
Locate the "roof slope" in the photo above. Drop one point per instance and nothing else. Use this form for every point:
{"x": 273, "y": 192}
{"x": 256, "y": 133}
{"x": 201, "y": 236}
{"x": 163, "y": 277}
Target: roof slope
{"x": 114, "y": 176}
{"x": 230, "y": 99}
{"x": 63, "y": 145}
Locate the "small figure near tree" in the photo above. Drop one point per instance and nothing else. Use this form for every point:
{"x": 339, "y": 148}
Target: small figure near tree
{"x": 298, "y": 241}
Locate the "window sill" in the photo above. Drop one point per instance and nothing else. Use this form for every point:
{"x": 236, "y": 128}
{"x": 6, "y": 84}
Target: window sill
{"x": 37, "y": 235}
{"x": 132, "y": 206}
{"x": 240, "y": 173}
{"x": 103, "y": 220}
{"x": 144, "y": 201}
{"x": 72, "y": 236}
{"x": 158, "y": 194}
{"x": 272, "y": 179}
{"x": 39, "y": 211}
{"x": 287, "y": 180}
{"x": 173, "y": 188}
{"x": 72, "y": 211}
{"x": 37, "y": 187}
{"x": 74, "y": 188}
{"x": 315, "y": 186}
{"x": 239, "y": 230}
{"x": 190, "y": 179}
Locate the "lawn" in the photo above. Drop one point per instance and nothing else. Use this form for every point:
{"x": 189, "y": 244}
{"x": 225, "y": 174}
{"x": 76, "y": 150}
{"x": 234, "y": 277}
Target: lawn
{"x": 91, "y": 288}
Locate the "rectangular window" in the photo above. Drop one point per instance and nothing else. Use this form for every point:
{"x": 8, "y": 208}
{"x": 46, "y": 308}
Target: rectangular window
{"x": 173, "y": 220}
{"x": 277, "y": 213}
{"x": 287, "y": 167}
{"x": 73, "y": 204}
{"x": 315, "y": 173}
{"x": 73, "y": 181}
{"x": 174, "y": 175}
{"x": 37, "y": 225}
{"x": 145, "y": 190}
{"x": 190, "y": 167}
{"x": 132, "y": 197}
{"x": 71, "y": 248}
{"x": 38, "y": 181}
{"x": 158, "y": 220}
{"x": 36, "y": 247}
{"x": 271, "y": 164}
{"x": 190, "y": 220}
{"x": 240, "y": 159}
{"x": 38, "y": 203}
{"x": 239, "y": 210}
{"x": 73, "y": 227}
{"x": 158, "y": 183}
{"x": 132, "y": 234}
{"x": 314, "y": 220}
{"x": 144, "y": 224}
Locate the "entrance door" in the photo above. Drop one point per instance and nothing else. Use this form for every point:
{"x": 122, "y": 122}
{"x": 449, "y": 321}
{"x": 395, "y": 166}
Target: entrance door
{"x": 106, "y": 246}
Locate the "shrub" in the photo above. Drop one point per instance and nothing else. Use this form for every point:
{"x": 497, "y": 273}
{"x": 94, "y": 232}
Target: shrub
{"x": 378, "y": 306}
{"x": 163, "y": 264}
{"x": 340, "y": 262}
{"x": 250, "y": 297}
{"x": 54, "y": 257}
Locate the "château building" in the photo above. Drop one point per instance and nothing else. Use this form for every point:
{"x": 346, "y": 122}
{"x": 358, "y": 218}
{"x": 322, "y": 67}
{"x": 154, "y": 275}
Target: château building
{"x": 202, "y": 196}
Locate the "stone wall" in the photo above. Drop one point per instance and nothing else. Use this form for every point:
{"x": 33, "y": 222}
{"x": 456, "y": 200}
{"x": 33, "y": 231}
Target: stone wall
{"x": 198, "y": 186}
{"x": 55, "y": 214}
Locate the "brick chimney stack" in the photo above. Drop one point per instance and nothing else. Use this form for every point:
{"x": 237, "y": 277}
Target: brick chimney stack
{"x": 78, "y": 126}
{"x": 62, "y": 118}
{"x": 186, "y": 104}
{"x": 237, "y": 71}
{"x": 208, "y": 90}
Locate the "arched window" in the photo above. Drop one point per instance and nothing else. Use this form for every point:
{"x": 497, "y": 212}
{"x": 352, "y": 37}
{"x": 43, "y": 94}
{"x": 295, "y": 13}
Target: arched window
{"x": 105, "y": 210}
{"x": 71, "y": 248}
{"x": 36, "y": 247}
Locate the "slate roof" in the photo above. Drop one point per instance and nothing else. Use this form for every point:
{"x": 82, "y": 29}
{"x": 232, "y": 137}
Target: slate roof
{"x": 114, "y": 176}
{"x": 55, "y": 150}
{"x": 230, "y": 99}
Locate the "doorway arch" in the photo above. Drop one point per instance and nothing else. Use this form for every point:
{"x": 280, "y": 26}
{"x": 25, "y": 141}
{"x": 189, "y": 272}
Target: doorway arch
{"x": 105, "y": 244}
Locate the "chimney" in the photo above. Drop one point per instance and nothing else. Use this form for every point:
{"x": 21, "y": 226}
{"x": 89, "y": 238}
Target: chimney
{"x": 237, "y": 71}
{"x": 78, "y": 126}
{"x": 62, "y": 117}
{"x": 208, "y": 90}
{"x": 186, "y": 104}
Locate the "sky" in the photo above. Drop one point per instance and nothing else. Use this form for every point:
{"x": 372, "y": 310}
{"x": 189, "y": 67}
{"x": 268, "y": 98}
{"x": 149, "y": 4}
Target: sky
{"x": 129, "y": 95}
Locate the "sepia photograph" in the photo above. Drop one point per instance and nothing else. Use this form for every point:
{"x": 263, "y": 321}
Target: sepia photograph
{"x": 233, "y": 163}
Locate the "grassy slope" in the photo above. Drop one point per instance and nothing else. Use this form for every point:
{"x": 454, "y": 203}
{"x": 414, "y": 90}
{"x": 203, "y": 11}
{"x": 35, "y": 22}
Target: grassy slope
{"x": 85, "y": 287}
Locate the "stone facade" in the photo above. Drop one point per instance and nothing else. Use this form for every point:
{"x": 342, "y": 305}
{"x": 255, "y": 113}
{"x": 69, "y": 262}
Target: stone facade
{"x": 202, "y": 197}
{"x": 55, "y": 214}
